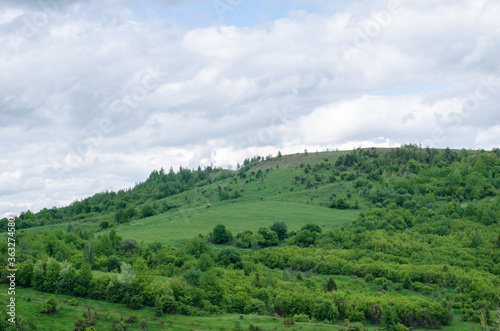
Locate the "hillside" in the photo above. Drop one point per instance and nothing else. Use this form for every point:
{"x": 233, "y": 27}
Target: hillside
{"x": 385, "y": 238}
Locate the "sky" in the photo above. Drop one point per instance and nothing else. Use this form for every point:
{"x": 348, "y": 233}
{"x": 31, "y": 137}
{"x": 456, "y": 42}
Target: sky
{"x": 96, "y": 94}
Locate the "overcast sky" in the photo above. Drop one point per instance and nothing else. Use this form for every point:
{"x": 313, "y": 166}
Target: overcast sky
{"x": 94, "y": 95}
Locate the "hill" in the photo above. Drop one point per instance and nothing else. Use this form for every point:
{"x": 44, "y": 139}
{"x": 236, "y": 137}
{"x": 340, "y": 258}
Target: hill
{"x": 400, "y": 238}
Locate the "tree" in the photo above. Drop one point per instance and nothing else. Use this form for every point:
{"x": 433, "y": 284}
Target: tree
{"x": 83, "y": 281}
{"x": 68, "y": 277}
{"x": 112, "y": 262}
{"x": 25, "y": 273}
{"x": 311, "y": 227}
{"x": 270, "y": 237}
{"x": 389, "y": 317}
{"x": 197, "y": 246}
{"x": 210, "y": 282}
{"x": 304, "y": 238}
{"x": 220, "y": 234}
{"x": 51, "y": 280}
{"x": 89, "y": 252}
{"x": 325, "y": 310}
{"x": 205, "y": 262}
{"x": 38, "y": 275}
{"x": 127, "y": 274}
{"x": 147, "y": 211}
{"x": 407, "y": 282}
{"x": 130, "y": 246}
{"x": 477, "y": 239}
{"x": 229, "y": 256}
{"x": 104, "y": 225}
{"x": 331, "y": 285}
{"x": 280, "y": 228}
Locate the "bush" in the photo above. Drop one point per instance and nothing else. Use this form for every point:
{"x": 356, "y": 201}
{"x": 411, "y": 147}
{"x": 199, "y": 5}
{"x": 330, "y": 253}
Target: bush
{"x": 135, "y": 302}
{"x": 427, "y": 290}
{"x": 147, "y": 211}
{"x": 301, "y": 318}
{"x": 358, "y": 326}
{"x": 325, "y": 310}
{"x": 49, "y": 306}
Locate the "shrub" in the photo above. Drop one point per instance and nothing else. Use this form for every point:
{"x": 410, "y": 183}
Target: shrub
{"x": 301, "y": 318}
{"x": 49, "y": 306}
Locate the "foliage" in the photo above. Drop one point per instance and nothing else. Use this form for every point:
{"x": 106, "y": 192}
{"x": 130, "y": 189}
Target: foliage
{"x": 49, "y": 306}
{"x": 423, "y": 244}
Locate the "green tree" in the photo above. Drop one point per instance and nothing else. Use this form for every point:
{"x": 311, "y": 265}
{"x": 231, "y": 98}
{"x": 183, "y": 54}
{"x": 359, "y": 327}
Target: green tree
{"x": 68, "y": 277}
{"x": 220, "y": 234}
{"x": 104, "y": 225}
{"x": 38, "y": 275}
{"x": 51, "y": 279}
{"x": 112, "y": 262}
{"x": 205, "y": 262}
{"x": 89, "y": 252}
{"x": 215, "y": 291}
{"x": 280, "y": 228}
{"x": 270, "y": 237}
{"x": 477, "y": 239}
{"x": 312, "y": 227}
{"x": 229, "y": 255}
{"x": 325, "y": 310}
{"x": 25, "y": 273}
{"x": 331, "y": 285}
{"x": 197, "y": 246}
{"x": 389, "y": 317}
{"x": 147, "y": 211}
{"x": 127, "y": 274}
{"x": 83, "y": 280}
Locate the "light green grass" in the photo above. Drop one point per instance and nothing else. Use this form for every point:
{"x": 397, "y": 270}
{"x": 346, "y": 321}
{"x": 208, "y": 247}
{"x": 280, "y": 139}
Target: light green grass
{"x": 174, "y": 228}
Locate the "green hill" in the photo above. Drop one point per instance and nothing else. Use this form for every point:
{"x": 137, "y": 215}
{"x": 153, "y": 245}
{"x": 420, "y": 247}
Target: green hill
{"x": 395, "y": 238}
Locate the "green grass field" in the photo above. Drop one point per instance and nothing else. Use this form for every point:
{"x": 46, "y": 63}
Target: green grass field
{"x": 176, "y": 227}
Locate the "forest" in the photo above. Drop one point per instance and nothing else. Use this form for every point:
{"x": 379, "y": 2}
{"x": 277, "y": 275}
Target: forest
{"x": 394, "y": 239}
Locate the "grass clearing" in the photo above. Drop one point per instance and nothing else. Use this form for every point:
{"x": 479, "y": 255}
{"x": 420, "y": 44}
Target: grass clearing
{"x": 174, "y": 228}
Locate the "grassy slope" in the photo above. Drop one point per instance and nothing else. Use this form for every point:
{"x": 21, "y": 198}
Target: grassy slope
{"x": 179, "y": 226}
{"x": 275, "y": 197}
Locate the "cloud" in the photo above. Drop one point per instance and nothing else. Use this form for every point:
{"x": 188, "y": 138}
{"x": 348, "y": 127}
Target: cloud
{"x": 96, "y": 96}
